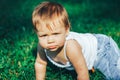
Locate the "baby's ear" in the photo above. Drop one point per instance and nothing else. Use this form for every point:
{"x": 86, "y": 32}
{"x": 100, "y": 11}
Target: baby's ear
{"x": 67, "y": 31}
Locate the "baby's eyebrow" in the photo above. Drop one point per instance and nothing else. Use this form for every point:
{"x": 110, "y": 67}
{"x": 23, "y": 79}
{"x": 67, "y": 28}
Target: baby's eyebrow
{"x": 40, "y": 33}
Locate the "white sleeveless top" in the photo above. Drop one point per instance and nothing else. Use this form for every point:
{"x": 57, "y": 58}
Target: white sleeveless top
{"x": 88, "y": 42}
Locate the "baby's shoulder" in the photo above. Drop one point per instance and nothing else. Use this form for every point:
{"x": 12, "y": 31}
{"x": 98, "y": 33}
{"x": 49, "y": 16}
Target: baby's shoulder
{"x": 72, "y": 43}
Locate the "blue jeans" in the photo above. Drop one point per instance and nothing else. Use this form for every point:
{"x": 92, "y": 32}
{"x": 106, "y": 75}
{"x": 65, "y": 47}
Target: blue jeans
{"x": 108, "y": 57}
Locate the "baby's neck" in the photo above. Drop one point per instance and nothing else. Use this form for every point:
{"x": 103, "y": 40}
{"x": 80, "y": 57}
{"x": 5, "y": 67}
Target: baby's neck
{"x": 55, "y": 53}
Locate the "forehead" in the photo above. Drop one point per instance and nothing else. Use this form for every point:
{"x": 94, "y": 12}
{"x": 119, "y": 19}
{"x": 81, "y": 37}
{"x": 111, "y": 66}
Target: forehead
{"x": 51, "y": 26}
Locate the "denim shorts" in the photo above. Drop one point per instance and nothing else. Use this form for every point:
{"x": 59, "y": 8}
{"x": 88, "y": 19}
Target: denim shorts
{"x": 108, "y": 57}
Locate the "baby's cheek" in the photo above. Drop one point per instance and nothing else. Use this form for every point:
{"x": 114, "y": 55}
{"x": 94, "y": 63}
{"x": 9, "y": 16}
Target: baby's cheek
{"x": 62, "y": 42}
{"x": 42, "y": 44}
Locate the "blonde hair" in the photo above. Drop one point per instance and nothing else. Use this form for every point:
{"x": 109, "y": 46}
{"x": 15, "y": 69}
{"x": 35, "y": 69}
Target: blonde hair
{"x": 50, "y": 14}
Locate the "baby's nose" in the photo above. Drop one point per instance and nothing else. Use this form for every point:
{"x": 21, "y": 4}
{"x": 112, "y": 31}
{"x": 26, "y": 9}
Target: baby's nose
{"x": 50, "y": 39}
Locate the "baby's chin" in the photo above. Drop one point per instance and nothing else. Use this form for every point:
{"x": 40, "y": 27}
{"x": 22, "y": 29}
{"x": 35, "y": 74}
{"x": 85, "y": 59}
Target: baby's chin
{"x": 55, "y": 49}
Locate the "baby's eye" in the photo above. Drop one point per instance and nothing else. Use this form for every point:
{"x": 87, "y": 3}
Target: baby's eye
{"x": 56, "y": 33}
{"x": 43, "y": 35}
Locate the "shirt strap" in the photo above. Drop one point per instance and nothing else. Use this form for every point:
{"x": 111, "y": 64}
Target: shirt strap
{"x": 65, "y": 50}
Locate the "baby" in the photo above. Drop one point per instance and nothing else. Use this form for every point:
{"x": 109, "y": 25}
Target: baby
{"x": 71, "y": 50}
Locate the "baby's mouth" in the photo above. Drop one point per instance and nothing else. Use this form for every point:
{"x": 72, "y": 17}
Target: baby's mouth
{"x": 52, "y": 47}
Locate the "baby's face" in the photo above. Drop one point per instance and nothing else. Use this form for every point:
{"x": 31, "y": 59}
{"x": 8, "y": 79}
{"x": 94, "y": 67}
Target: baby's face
{"x": 52, "y": 38}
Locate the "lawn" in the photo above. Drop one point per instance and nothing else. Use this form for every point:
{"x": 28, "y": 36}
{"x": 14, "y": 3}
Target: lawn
{"x": 18, "y": 40}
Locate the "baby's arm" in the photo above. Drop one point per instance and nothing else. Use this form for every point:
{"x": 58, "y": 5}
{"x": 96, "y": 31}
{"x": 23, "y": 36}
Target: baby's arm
{"x": 74, "y": 53}
{"x": 40, "y": 64}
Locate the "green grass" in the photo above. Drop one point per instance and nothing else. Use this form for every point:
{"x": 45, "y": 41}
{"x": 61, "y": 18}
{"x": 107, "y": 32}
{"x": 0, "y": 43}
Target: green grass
{"x": 18, "y": 40}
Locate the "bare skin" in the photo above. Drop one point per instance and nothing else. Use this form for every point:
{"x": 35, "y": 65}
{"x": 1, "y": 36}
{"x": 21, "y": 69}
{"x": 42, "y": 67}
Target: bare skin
{"x": 73, "y": 52}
